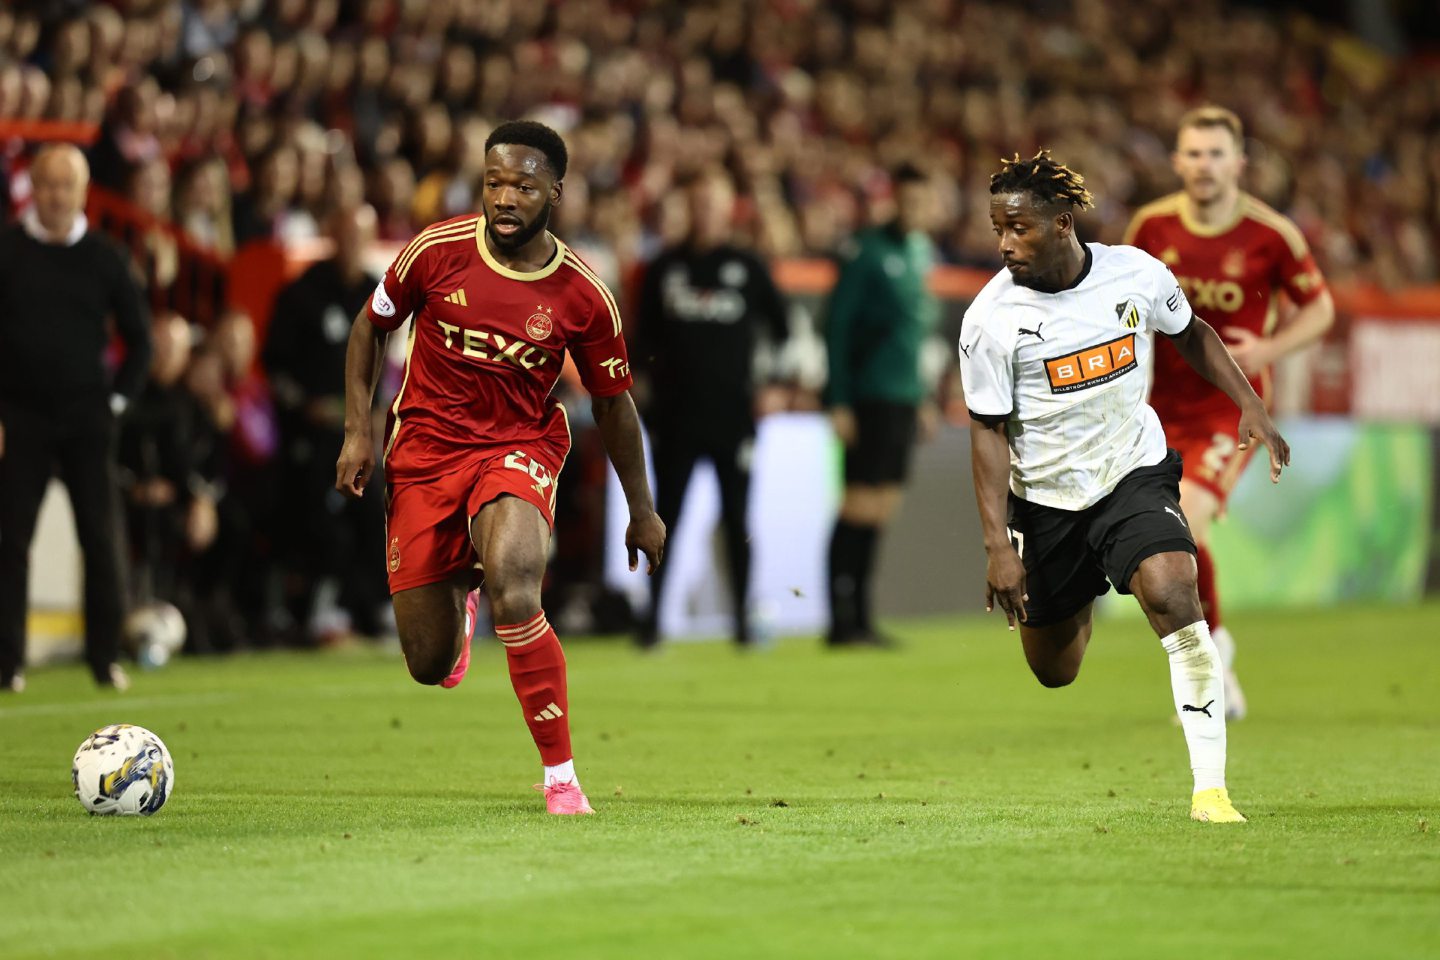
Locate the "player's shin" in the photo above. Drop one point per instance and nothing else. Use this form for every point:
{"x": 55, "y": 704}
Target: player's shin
{"x": 537, "y": 672}
{"x": 1196, "y": 679}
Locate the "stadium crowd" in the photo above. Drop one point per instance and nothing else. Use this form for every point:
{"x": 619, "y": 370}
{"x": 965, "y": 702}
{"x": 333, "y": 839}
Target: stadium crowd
{"x": 246, "y": 120}
{"x": 250, "y": 118}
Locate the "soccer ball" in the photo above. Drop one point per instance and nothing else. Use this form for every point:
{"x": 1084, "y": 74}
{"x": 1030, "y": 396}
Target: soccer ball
{"x": 155, "y": 632}
{"x": 123, "y": 770}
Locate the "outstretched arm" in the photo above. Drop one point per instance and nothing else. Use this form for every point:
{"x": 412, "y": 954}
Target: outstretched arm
{"x": 620, "y": 430}
{"x": 363, "y": 358}
{"x": 1203, "y": 349}
{"x": 1311, "y": 322}
{"x": 990, "y": 465}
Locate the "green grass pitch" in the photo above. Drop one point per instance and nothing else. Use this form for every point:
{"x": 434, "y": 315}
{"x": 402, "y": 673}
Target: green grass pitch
{"x": 935, "y": 802}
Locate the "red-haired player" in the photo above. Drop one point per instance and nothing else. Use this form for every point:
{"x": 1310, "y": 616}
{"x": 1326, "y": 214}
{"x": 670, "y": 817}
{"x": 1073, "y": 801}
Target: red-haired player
{"x": 1234, "y": 256}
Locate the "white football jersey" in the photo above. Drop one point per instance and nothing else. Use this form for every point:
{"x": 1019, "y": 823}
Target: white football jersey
{"x": 1068, "y": 371}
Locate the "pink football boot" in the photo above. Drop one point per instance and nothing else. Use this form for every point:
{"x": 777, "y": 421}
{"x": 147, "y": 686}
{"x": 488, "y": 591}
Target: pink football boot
{"x": 472, "y": 607}
{"x": 565, "y": 797}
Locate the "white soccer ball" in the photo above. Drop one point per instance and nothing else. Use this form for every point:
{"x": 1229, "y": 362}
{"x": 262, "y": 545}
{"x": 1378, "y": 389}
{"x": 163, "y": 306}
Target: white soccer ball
{"x": 156, "y": 632}
{"x": 123, "y": 770}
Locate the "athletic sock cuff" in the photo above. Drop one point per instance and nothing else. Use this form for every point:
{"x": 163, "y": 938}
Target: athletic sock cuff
{"x": 521, "y": 634}
{"x": 1187, "y": 638}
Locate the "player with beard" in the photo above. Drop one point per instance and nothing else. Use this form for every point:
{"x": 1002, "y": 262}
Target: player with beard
{"x": 1234, "y": 256}
{"x": 1073, "y": 480}
{"x": 475, "y": 442}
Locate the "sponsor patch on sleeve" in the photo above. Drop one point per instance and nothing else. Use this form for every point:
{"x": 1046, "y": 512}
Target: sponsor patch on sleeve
{"x": 381, "y": 302}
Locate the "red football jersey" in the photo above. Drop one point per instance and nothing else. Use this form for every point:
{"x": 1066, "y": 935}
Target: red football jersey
{"x": 486, "y": 347}
{"x": 1232, "y": 275}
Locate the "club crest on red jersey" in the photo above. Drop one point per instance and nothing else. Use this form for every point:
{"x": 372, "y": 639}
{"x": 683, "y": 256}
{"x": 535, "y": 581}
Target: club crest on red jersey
{"x": 1233, "y": 266}
{"x": 541, "y": 324}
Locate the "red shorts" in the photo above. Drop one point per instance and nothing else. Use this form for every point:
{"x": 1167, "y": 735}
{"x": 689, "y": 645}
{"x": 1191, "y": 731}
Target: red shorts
{"x": 427, "y": 522}
{"x": 1212, "y": 454}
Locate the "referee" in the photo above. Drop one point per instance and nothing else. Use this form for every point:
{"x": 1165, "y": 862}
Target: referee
{"x": 881, "y": 313}
{"x": 59, "y": 284}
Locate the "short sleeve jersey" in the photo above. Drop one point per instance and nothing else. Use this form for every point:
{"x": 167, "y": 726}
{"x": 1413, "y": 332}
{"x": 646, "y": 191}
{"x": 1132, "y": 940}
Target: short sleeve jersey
{"x": 1066, "y": 370}
{"x": 486, "y": 347}
{"x": 1233, "y": 275}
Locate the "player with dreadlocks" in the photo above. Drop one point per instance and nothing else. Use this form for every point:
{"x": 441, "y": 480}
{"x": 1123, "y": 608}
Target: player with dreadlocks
{"x": 1075, "y": 486}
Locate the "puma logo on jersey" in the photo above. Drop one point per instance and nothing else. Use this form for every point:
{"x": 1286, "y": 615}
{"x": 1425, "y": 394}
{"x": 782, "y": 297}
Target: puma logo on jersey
{"x": 1176, "y": 514}
{"x": 458, "y": 297}
{"x": 1034, "y": 333}
{"x": 1092, "y": 366}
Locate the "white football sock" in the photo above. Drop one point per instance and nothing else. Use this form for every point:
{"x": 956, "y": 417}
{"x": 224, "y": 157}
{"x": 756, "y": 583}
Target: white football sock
{"x": 1197, "y": 682}
{"x": 561, "y": 773}
{"x": 1226, "y": 645}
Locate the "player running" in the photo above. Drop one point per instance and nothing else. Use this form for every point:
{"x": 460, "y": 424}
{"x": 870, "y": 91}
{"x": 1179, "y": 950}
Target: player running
{"x": 1232, "y": 255}
{"x": 1072, "y": 476}
{"x": 475, "y": 442}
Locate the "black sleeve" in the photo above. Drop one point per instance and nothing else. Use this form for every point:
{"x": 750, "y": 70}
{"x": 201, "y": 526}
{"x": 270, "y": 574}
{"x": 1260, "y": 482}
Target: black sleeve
{"x": 771, "y": 304}
{"x": 280, "y": 354}
{"x": 132, "y": 322}
{"x": 649, "y": 314}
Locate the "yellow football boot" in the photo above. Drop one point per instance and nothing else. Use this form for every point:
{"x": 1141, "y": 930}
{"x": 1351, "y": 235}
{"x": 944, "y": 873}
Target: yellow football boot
{"x": 1214, "y": 806}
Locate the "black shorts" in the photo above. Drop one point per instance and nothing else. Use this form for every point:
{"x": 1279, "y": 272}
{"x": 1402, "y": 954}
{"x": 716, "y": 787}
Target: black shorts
{"x": 1070, "y": 554}
{"x": 885, "y": 437}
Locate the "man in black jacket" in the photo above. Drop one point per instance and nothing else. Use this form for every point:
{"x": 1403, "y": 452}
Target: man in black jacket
{"x": 59, "y": 283}
{"x": 703, "y": 304}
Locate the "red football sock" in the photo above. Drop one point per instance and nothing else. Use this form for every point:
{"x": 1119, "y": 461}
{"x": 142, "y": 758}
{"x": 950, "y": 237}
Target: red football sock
{"x": 1209, "y": 590}
{"x": 537, "y": 672}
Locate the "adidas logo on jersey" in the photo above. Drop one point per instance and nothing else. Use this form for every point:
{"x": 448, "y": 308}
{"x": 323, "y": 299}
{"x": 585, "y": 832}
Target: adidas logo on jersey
{"x": 458, "y": 297}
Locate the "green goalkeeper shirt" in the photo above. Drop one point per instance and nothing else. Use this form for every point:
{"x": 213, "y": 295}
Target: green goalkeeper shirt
{"x": 880, "y": 314}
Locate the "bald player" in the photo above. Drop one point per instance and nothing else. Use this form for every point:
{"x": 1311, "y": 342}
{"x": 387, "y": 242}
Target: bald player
{"x": 61, "y": 285}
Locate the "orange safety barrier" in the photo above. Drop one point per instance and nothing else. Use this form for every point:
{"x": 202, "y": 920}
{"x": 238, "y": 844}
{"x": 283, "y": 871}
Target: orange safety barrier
{"x": 42, "y": 131}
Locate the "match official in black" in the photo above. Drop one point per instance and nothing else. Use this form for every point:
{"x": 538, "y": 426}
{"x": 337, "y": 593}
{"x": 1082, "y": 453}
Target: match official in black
{"x": 703, "y": 303}
{"x": 60, "y": 285}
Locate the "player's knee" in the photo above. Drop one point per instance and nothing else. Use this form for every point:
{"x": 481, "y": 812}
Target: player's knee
{"x": 514, "y": 595}
{"x": 1055, "y": 676}
{"x": 1174, "y": 603}
{"x": 429, "y": 663}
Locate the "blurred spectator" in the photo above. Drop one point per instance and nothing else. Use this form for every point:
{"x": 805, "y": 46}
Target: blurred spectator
{"x": 328, "y": 541}
{"x": 128, "y": 137}
{"x": 202, "y": 205}
{"x": 271, "y": 209}
{"x": 149, "y": 190}
{"x": 704, "y": 305}
{"x": 169, "y": 510}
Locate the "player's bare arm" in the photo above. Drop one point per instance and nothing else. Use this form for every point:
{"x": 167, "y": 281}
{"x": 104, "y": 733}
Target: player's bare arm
{"x": 363, "y": 359}
{"x": 1004, "y": 572}
{"x": 1203, "y": 349}
{"x": 1255, "y": 353}
{"x": 620, "y": 430}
